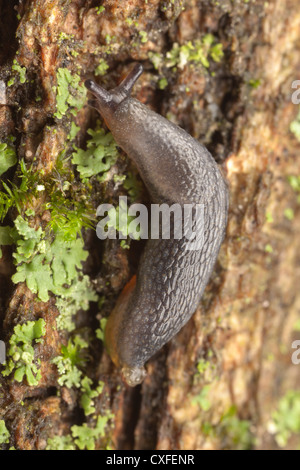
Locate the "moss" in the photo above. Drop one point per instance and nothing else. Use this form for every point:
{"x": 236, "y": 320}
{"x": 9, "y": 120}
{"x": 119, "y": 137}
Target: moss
{"x": 18, "y": 196}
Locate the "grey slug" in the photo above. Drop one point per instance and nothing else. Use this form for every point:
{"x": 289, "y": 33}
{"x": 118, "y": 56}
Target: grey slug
{"x": 170, "y": 280}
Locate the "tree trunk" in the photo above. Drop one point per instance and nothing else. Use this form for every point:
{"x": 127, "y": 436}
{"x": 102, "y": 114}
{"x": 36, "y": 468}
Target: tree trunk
{"x": 223, "y": 71}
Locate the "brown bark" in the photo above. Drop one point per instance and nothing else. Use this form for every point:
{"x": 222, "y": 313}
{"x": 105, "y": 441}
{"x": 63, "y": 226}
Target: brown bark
{"x": 244, "y": 328}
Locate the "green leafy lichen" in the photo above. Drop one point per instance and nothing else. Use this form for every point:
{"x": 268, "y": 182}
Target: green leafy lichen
{"x": 71, "y": 356}
{"x": 102, "y": 68}
{"x": 21, "y": 352}
{"x": 144, "y": 36}
{"x": 100, "y": 331}
{"x": 71, "y": 95}
{"x": 119, "y": 220}
{"x": 162, "y": 83}
{"x": 197, "y": 52}
{"x": 37, "y": 275}
{"x": 78, "y": 297}
{"x": 4, "y": 433}
{"x": 236, "y": 432}
{"x": 88, "y": 394}
{"x": 100, "y": 155}
{"x": 8, "y": 157}
{"x": 85, "y": 436}
{"x": 200, "y": 52}
{"x": 46, "y": 266}
{"x": 294, "y": 182}
{"x": 21, "y": 71}
{"x": 289, "y": 213}
{"x": 133, "y": 186}
{"x": 82, "y": 437}
{"x": 61, "y": 443}
{"x": 202, "y": 399}
{"x": 286, "y": 419}
{"x": 49, "y": 259}
{"x": 295, "y": 127}
{"x": 100, "y": 9}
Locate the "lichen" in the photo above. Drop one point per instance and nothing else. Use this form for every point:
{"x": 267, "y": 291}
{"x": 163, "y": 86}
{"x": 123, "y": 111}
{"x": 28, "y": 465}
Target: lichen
{"x": 21, "y": 354}
{"x": 71, "y": 94}
{"x": 101, "y": 153}
{"x": 285, "y": 420}
{"x": 8, "y": 157}
{"x": 4, "y": 433}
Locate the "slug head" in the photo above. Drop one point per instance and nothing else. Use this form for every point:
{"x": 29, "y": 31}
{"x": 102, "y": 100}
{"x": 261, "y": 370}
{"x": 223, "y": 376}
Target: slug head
{"x": 107, "y": 102}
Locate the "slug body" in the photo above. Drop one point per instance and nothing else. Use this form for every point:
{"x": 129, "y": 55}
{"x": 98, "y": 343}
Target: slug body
{"x": 171, "y": 279}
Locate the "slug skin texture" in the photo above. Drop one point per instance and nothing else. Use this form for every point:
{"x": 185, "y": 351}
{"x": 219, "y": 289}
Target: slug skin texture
{"x": 170, "y": 280}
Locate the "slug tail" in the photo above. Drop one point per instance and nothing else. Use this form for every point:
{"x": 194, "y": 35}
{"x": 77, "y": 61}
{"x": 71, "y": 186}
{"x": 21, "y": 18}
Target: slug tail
{"x": 133, "y": 375}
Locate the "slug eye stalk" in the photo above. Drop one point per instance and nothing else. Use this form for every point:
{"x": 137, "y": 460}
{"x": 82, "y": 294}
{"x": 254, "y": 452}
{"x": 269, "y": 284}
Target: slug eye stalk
{"x": 114, "y": 97}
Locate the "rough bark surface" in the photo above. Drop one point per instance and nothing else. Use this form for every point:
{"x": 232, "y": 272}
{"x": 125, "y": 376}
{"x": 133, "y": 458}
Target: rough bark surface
{"x": 241, "y": 335}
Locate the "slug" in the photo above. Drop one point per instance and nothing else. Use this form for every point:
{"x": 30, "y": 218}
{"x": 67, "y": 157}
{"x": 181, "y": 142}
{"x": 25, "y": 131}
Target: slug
{"x": 170, "y": 278}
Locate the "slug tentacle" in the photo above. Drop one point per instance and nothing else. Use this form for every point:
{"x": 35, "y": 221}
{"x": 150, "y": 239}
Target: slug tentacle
{"x": 110, "y": 100}
{"x": 128, "y": 83}
{"x": 171, "y": 278}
